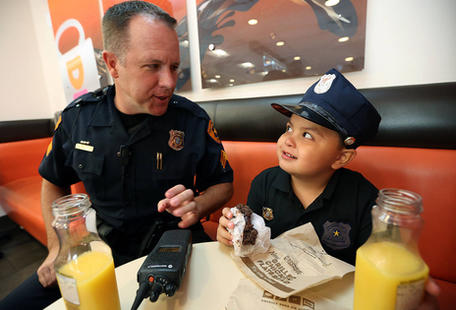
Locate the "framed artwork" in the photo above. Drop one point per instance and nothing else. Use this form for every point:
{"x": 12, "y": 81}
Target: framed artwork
{"x": 77, "y": 31}
{"x": 250, "y": 41}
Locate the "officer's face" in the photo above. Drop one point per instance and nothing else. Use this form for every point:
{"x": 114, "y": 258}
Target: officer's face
{"x": 308, "y": 150}
{"x": 146, "y": 78}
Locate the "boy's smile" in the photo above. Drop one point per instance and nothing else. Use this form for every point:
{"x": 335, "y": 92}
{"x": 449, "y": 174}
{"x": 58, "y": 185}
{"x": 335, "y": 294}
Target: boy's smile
{"x": 286, "y": 156}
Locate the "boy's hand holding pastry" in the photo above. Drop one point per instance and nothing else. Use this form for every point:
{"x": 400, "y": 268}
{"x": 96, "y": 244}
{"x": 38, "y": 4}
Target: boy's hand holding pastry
{"x": 240, "y": 227}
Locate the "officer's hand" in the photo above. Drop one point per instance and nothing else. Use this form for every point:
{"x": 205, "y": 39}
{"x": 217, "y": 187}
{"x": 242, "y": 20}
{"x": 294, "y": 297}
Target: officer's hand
{"x": 223, "y": 235}
{"x": 429, "y": 301}
{"x": 46, "y": 272}
{"x": 180, "y": 202}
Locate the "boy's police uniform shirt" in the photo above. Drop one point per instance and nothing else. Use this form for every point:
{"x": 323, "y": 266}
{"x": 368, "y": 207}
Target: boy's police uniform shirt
{"x": 125, "y": 174}
{"x": 341, "y": 215}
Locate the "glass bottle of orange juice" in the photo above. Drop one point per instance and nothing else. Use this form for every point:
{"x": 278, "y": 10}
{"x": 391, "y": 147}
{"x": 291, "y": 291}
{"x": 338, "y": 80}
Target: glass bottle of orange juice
{"x": 84, "y": 266}
{"x": 390, "y": 273}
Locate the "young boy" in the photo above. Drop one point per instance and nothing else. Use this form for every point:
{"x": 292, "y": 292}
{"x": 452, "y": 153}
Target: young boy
{"x": 310, "y": 183}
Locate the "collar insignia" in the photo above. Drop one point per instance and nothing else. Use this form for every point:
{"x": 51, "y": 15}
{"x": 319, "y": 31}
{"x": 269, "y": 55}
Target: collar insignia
{"x": 268, "y": 214}
{"x": 176, "y": 139}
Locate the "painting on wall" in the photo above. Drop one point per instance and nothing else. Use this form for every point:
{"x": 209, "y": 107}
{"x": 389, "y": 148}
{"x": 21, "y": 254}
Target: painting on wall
{"x": 77, "y": 31}
{"x": 251, "y": 41}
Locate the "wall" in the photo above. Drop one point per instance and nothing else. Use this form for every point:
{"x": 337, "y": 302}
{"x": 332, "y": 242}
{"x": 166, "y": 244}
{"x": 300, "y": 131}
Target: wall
{"x": 30, "y": 84}
{"x": 407, "y": 42}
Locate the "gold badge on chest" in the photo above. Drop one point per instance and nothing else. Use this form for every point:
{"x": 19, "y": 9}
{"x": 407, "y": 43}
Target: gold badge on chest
{"x": 176, "y": 139}
{"x": 268, "y": 214}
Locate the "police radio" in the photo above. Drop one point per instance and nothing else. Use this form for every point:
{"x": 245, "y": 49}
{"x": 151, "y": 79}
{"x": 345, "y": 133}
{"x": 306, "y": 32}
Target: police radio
{"x": 164, "y": 267}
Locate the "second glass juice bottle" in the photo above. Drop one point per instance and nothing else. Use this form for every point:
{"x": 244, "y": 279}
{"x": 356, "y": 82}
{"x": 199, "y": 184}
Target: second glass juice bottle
{"x": 390, "y": 274}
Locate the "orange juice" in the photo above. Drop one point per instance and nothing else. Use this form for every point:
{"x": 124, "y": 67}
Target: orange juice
{"x": 388, "y": 277}
{"x": 89, "y": 282}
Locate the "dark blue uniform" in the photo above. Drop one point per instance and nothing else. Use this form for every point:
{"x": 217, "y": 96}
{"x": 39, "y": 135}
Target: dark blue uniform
{"x": 126, "y": 171}
{"x": 341, "y": 215}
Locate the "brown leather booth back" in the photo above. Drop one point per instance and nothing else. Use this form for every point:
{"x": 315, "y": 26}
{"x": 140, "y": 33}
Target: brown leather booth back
{"x": 25, "y": 129}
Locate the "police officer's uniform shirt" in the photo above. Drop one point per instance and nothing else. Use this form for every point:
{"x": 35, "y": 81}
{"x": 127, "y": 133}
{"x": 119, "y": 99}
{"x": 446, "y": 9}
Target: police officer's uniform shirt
{"x": 126, "y": 174}
{"x": 341, "y": 215}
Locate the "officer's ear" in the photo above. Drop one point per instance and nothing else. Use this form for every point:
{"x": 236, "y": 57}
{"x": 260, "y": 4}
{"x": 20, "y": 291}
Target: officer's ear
{"x": 112, "y": 62}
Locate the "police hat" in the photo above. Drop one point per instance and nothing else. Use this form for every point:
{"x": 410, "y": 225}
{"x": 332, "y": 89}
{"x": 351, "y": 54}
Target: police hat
{"x": 333, "y": 102}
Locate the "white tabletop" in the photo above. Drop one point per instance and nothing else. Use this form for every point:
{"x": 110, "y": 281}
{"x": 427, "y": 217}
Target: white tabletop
{"x": 210, "y": 279}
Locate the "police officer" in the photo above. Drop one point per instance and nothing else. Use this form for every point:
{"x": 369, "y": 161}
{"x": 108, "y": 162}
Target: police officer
{"x": 149, "y": 160}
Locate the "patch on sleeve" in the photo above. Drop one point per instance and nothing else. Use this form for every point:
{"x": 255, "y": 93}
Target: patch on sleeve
{"x": 223, "y": 158}
{"x": 49, "y": 148}
{"x": 58, "y": 123}
{"x": 336, "y": 235}
{"x": 212, "y": 132}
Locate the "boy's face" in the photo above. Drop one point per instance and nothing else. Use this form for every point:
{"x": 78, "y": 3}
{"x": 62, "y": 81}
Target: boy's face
{"x": 307, "y": 149}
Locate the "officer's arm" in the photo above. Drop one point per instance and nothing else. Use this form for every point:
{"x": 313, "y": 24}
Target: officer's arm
{"x": 213, "y": 198}
{"x": 49, "y": 193}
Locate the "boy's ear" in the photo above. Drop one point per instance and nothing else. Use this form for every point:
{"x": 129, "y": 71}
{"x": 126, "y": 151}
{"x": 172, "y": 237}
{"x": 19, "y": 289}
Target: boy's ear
{"x": 345, "y": 156}
{"x": 111, "y": 61}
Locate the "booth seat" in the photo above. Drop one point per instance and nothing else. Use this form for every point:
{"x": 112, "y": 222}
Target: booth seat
{"x": 20, "y": 184}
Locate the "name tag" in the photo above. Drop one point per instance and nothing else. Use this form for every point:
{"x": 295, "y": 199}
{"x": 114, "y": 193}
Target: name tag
{"x": 84, "y": 147}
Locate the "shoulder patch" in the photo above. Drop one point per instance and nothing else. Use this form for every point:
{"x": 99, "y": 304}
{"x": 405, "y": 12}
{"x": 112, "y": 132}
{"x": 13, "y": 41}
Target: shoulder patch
{"x": 223, "y": 158}
{"x": 49, "y": 148}
{"x": 58, "y": 122}
{"x": 212, "y": 132}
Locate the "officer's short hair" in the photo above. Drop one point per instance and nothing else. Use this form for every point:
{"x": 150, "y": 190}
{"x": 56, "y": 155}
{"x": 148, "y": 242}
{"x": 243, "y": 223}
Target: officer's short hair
{"x": 117, "y": 19}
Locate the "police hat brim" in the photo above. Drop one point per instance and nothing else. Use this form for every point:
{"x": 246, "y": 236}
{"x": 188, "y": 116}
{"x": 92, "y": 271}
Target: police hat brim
{"x": 304, "y": 112}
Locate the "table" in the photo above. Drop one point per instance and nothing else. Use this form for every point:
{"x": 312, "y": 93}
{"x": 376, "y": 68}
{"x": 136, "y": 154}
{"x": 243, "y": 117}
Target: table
{"x": 210, "y": 279}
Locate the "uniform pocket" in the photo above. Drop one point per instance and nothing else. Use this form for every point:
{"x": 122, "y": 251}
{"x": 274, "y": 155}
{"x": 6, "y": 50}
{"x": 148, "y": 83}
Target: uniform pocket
{"x": 89, "y": 168}
{"x": 87, "y": 163}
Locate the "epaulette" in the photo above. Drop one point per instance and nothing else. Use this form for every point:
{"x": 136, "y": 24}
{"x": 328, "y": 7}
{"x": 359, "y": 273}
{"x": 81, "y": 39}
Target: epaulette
{"x": 186, "y": 104}
{"x": 91, "y": 97}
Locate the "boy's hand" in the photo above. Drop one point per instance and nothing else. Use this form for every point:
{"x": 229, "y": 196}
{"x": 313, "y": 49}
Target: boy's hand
{"x": 223, "y": 234}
